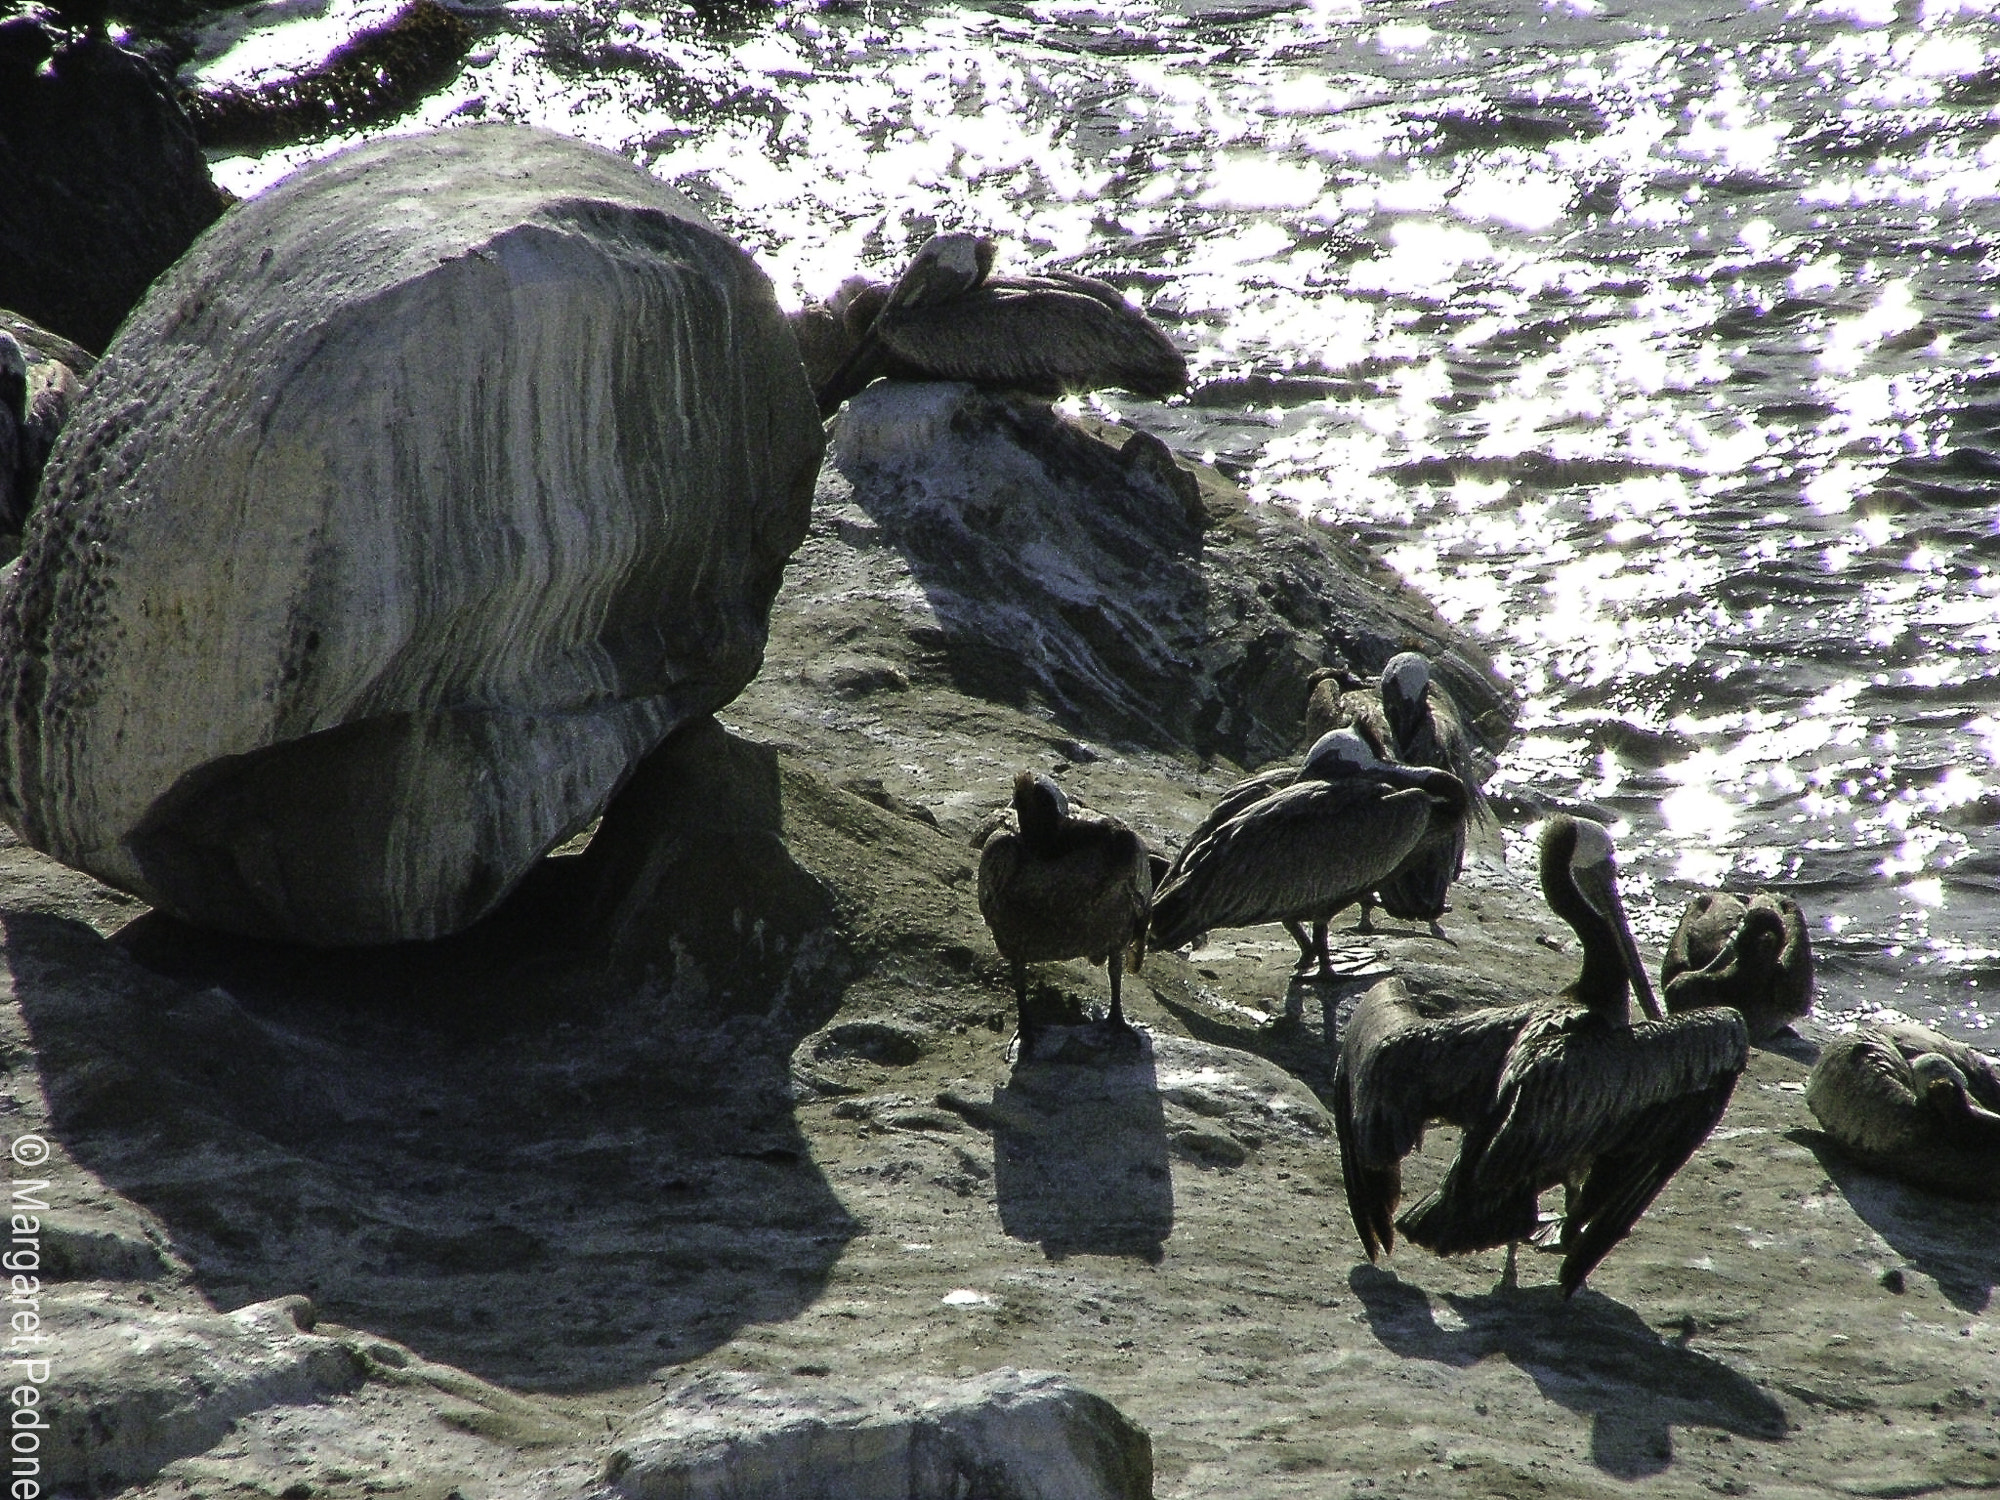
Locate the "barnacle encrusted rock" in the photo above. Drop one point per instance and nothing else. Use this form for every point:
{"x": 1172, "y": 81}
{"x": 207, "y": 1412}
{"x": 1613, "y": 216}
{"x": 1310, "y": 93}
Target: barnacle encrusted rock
{"x": 417, "y": 503}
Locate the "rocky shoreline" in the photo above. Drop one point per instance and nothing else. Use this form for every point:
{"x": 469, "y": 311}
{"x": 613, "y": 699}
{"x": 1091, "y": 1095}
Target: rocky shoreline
{"x": 715, "y": 1116}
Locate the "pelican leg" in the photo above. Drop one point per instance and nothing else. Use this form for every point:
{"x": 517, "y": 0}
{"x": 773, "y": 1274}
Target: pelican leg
{"x": 1441, "y": 935}
{"x": 1023, "y": 1031}
{"x": 1320, "y": 948}
{"x": 1510, "y": 1274}
{"x": 1367, "y": 922}
{"x": 1307, "y": 952}
{"x": 1122, "y": 1033}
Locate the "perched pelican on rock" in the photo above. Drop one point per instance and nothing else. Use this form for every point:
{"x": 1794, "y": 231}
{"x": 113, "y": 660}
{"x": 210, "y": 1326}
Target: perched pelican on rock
{"x": 1412, "y": 720}
{"x": 1064, "y": 885}
{"x": 1747, "y": 952}
{"x": 1568, "y": 1090}
{"x": 1915, "y": 1104}
{"x": 949, "y": 318}
{"x": 1299, "y": 850}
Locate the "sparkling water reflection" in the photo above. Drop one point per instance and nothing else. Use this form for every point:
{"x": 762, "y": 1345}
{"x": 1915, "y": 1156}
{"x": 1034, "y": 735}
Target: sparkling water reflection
{"x": 1657, "y": 346}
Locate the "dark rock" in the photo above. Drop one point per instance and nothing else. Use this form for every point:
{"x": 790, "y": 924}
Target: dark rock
{"x": 40, "y": 375}
{"x": 102, "y": 184}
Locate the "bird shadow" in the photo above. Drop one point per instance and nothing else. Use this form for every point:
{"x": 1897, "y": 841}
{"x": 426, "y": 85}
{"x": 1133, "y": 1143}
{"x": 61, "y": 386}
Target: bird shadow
{"x": 1590, "y": 1354}
{"x": 1303, "y": 1039}
{"x": 1080, "y": 1154}
{"x": 1954, "y": 1241}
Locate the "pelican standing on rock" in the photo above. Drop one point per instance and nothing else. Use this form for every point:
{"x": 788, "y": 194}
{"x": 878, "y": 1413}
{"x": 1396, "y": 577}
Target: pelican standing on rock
{"x": 1751, "y": 954}
{"x": 1411, "y": 720}
{"x": 1301, "y": 852}
{"x": 1569, "y": 1090}
{"x": 1915, "y": 1104}
{"x": 949, "y": 318}
{"x": 1064, "y": 885}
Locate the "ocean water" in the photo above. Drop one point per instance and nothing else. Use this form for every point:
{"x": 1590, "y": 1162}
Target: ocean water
{"x": 1658, "y": 343}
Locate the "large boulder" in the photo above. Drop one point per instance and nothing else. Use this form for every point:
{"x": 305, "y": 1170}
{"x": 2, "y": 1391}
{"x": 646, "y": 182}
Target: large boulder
{"x": 427, "y": 494}
{"x": 40, "y": 375}
{"x": 102, "y": 184}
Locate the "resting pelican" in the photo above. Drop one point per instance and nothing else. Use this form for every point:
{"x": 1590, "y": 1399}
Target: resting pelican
{"x": 1566, "y": 1090}
{"x": 1411, "y": 720}
{"x": 1064, "y": 886}
{"x": 948, "y": 318}
{"x": 1300, "y": 852}
{"x": 1750, "y": 954}
{"x": 1914, "y": 1104}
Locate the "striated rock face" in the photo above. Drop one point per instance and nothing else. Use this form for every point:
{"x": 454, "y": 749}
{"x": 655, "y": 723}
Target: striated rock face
{"x": 1008, "y": 1435}
{"x": 421, "y": 499}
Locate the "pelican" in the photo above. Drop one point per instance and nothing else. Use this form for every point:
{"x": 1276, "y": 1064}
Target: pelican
{"x": 1299, "y": 852}
{"x": 1066, "y": 885}
{"x": 1407, "y": 719}
{"x": 949, "y": 318}
{"x": 1751, "y": 954}
{"x": 1567, "y": 1090}
{"x": 1914, "y": 1104}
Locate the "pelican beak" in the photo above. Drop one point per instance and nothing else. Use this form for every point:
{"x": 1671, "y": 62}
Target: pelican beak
{"x": 1601, "y": 891}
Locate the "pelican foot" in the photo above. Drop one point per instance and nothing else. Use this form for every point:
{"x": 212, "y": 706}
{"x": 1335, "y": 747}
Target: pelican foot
{"x": 1442, "y": 936}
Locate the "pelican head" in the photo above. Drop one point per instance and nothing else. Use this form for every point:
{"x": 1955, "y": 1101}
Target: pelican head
{"x": 946, "y": 266}
{"x": 1405, "y": 681}
{"x": 1939, "y": 1084}
{"x": 1337, "y": 753}
{"x": 1040, "y": 806}
{"x": 1577, "y": 860}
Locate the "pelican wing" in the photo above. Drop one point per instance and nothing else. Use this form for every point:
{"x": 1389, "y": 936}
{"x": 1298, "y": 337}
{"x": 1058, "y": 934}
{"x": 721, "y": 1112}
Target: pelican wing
{"x": 1572, "y": 1088}
{"x": 1243, "y": 794}
{"x": 1044, "y": 338}
{"x": 1398, "y": 1073}
{"x": 1304, "y": 851}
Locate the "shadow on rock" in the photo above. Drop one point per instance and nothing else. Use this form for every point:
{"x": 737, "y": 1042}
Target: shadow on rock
{"x": 1590, "y": 1354}
{"x": 558, "y": 1150}
{"x": 1955, "y": 1242}
{"x": 1080, "y": 1156}
{"x": 1304, "y": 1040}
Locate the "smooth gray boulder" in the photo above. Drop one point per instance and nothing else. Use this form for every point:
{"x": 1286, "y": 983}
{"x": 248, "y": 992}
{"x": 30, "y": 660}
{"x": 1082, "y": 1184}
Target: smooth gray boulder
{"x": 421, "y": 499}
{"x": 127, "y": 1391}
{"x": 1007, "y": 1435}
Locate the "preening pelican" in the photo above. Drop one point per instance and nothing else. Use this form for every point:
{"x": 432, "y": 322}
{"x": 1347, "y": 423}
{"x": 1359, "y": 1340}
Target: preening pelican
{"x": 1915, "y": 1104}
{"x": 1064, "y": 885}
{"x": 1751, "y": 954}
{"x": 948, "y": 318}
{"x": 1567, "y": 1090}
{"x": 1410, "y": 719}
{"x": 1300, "y": 852}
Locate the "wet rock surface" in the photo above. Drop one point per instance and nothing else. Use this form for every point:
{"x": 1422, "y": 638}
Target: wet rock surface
{"x": 759, "y": 1130}
{"x": 422, "y": 500}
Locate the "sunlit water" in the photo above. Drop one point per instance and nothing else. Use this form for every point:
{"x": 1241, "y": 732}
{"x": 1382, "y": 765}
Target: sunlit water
{"x": 1657, "y": 343}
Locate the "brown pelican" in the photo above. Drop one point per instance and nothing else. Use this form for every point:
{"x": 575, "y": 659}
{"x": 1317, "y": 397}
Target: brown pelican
{"x": 1300, "y": 852}
{"x": 1567, "y": 1090}
{"x": 1751, "y": 954}
{"x": 1914, "y": 1104}
{"x": 948, "y": 318}
{"x": 1064, "y": 886}
{"x": 1411, "y": 720}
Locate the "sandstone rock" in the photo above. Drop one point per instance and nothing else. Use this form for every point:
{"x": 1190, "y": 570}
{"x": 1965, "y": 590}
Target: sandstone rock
{"x": 422, "y": 500}
{"x": 132, "y": 1389}
{"x": 1008, "y": 1435}
{"x": 102, "y": 185}
{"x": 51, "y": 369}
